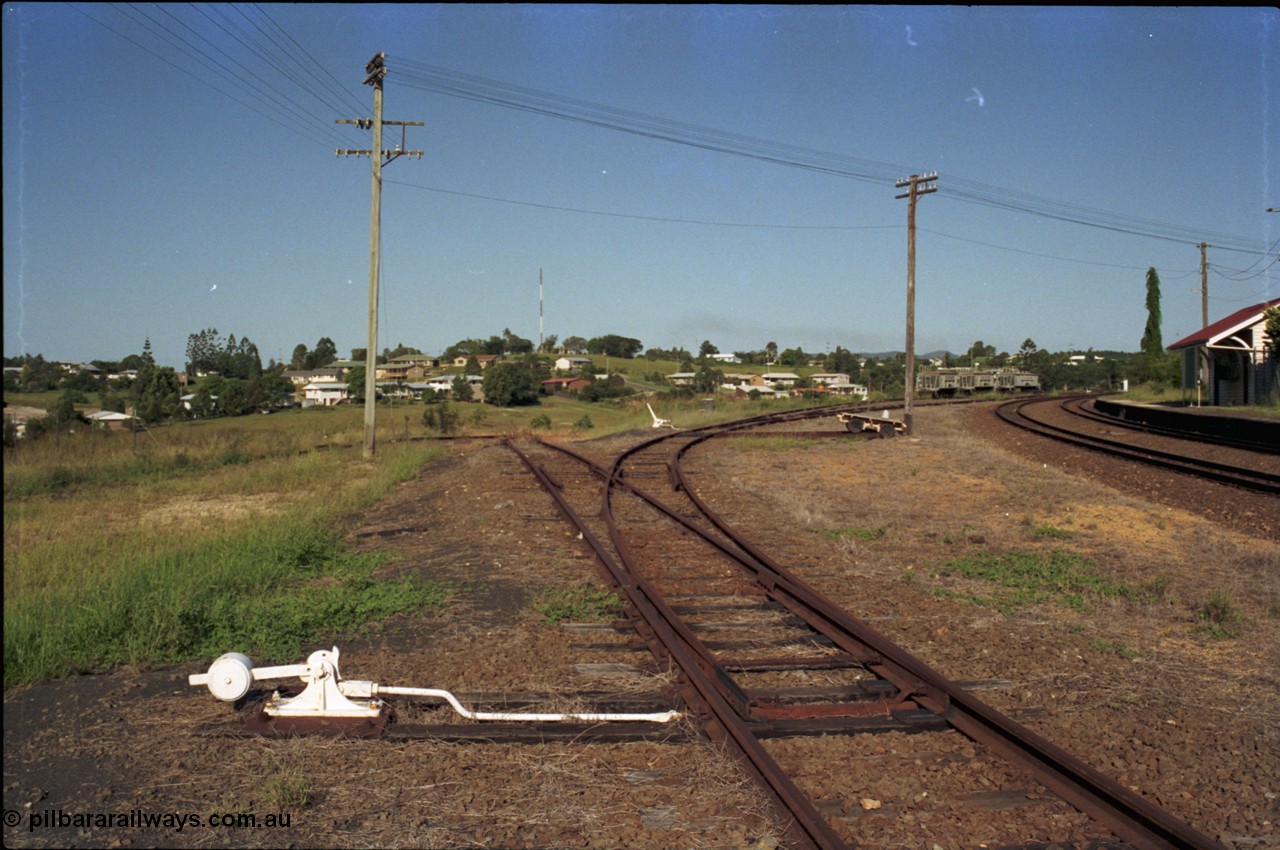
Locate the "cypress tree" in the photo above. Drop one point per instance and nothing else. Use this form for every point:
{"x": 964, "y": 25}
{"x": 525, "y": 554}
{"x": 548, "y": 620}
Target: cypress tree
{"x": 1151, "y": 341}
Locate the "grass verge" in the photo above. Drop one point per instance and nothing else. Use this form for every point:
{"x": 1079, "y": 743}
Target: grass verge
{"x": 1058, "y": 577}
{"x": 94, "y": 579}
{"x": 579, "y": 604}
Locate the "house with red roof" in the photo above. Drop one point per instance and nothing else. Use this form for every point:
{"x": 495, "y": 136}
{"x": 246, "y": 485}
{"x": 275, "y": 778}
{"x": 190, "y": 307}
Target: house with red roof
{"x": 1233, "y": 358}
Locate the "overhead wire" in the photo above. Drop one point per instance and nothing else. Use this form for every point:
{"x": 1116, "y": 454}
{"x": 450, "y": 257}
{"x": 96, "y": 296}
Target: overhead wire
{"x": 340, "y": 97}
{"x": 308, "y": 75}
{"x": 184, "y": 70}
{"x": 493, "y": 92}
{"x": 279, "y": 107}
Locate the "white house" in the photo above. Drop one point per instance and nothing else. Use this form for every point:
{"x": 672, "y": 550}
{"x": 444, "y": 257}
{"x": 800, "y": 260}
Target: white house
{"x": 829, "y": 378}
{"x": 780, "y": 379}
{"x": 571, "y": 364}
{"x": 108, "y": 418}
{"x": 325, "y": 393}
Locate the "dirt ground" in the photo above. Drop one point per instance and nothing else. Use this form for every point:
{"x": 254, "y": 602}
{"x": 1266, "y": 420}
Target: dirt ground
{"x": 1142, "y": 686}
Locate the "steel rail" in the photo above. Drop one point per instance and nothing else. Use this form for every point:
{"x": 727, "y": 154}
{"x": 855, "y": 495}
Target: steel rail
{"x": 1127, "y": 814}
{"x": 720, "y": 720}
{"x": 1251, "y": 479}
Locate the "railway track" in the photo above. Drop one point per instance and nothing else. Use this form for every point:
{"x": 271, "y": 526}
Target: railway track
{"x": 1068, "y": 421}
{"x": 748, "y": 638}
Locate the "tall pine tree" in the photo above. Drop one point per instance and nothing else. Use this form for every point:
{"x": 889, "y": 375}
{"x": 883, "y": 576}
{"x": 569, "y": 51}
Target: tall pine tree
{"x": 1152, "y": 345}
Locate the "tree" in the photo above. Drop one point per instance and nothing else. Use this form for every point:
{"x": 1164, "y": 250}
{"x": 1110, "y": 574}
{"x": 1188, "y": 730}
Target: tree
{"x": 1151, "y": 342}
{"x": 202, "y": 403}
{"x": 512, "y": 344}
{"x": 771, "y": 351}
{"x": 64, "y": 409}
{"x": 355, "y": 381}
{"x": 707, "y": 349}
{"x": 461, "y": 390}
{"x": 1026, "y": 352}
{"x": 323, "y": 354}
{"x": 160, "y": 397}
{"x": 1271, "y": 323}
{"x": 843, "y": 361}
{"x": 203, "y": 349}
{"x": 510, "y": 384}
{"x": 299, "y": 359}
{"x": 793, "y": 357}
{"x": 575, "y": 345}
{"x": 613, "y": 345}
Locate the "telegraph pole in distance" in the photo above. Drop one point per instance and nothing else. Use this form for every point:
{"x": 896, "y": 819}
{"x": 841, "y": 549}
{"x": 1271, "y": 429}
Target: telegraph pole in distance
{"x": 376, "y": 71}
{"x": 1204, "y": 286}
{"x": 916, "y": 185}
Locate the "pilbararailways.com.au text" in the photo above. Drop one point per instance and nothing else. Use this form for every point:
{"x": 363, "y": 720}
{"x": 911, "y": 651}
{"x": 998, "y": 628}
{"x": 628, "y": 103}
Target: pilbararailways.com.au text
{"x": 139, "y": 819}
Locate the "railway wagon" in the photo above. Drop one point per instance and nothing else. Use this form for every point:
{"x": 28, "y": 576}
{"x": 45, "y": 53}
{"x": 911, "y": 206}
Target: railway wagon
{"x": 977, "y": 382}
{"x": 944, "y": 383}
{"x": 938, "y": 384}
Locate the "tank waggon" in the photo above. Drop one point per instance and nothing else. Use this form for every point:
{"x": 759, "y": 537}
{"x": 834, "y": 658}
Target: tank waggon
{"x": 947, "y": 383}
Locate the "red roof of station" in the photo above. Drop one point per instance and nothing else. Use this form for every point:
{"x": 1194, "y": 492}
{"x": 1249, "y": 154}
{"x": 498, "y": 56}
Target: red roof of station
{"x": 1220, "y": 328}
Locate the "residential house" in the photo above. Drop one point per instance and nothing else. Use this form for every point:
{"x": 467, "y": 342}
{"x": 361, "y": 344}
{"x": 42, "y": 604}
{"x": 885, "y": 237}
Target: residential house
{"x": 410, "y": 367}
{"x": 109, "y": 419}
{"x": 829, "y": 378}
{"x": 779, "y": 380}
{"x": 443, "y": 384}
{"x": 745, "y": 390}
{"x": 847, "y": 388}
{"x": 483, "y": 359}
{"x": 1231, "y": 358}
{"x": 571, "y": 364}
{"x": 302, "y": 377}
{"x": 325, "y": 393}
{"x": 565, "y": 385}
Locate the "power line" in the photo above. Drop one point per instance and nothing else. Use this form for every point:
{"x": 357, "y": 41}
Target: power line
{"x": 493, "y": 92}
{"x": 316, "y": 130}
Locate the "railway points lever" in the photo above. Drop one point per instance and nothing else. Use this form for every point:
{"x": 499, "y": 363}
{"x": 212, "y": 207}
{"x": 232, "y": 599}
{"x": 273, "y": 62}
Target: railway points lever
{"x": 328, "y": 695}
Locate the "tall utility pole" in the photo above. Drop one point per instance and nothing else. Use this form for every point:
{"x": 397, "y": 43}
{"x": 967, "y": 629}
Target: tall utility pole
{"x": 376, "y": 71}
{"x": 1204, "y": 286}
{"x": 916, "y": 185}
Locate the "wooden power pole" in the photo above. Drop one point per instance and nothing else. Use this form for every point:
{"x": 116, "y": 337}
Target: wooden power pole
{"x": 1204, "y": 286}
{"x": 376, "y": 71}
{"x": 916, "y": 185}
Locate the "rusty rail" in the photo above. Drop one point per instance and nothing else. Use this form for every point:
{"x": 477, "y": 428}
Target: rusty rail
{"x": 727, "y": 710}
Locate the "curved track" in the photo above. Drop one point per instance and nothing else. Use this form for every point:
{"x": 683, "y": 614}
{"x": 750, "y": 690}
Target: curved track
{"x": 682, "y": 570}
{"x": 1065, "y": 420}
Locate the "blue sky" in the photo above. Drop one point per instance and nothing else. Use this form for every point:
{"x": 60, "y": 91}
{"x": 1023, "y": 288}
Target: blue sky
{"x": 171, "y": 168}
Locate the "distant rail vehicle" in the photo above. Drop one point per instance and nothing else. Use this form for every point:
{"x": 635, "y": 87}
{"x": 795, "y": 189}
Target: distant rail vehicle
{"x": 947, "y": 383}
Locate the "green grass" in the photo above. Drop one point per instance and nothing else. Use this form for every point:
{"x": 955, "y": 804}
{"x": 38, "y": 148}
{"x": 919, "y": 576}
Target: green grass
{"x": 1025, "y": 578}
{"x": 580, "y": 604}
{"x": 204, "y": 540}
{"x": 189, "y": 540}
{"x": 267, "y": 590}
{"x": 1219, "y": 617}
{"x": 866, "y": 535}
